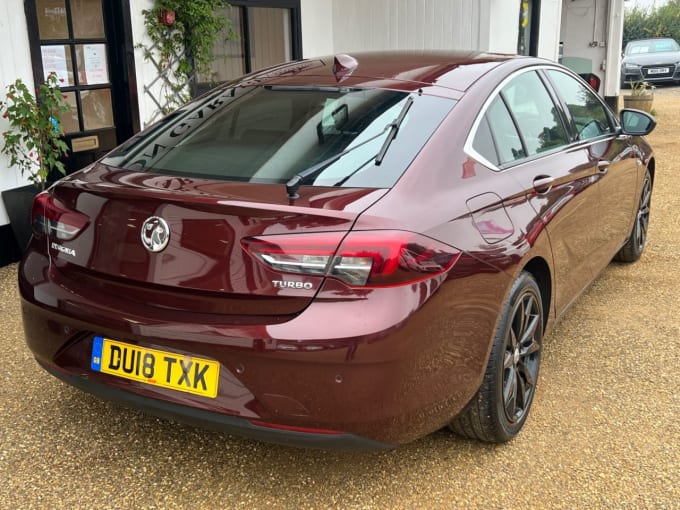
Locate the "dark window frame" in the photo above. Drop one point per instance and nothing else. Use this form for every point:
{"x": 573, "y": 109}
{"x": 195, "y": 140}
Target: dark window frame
{"x": 118, "y": 35}
{"x": 199, "y": 88}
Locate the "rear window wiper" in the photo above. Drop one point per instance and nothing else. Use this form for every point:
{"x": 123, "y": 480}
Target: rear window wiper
{"x": 298, "y": 179}
{"x": 394, "y": 129}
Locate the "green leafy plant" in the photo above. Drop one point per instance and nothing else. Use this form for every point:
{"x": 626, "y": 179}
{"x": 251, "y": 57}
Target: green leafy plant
{"x": 184, "y": 47}
{"x": 641, "y": 88}
{"x": 34, "y": 141}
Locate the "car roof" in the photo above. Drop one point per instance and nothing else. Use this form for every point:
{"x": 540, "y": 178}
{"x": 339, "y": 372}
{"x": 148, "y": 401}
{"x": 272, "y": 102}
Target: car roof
{"x": 399, "y": 70}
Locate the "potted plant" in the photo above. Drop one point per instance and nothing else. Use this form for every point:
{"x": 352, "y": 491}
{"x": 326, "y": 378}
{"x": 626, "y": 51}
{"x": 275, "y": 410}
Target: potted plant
{"x": 641, "y": 96}
{"x": 33, "y": 144}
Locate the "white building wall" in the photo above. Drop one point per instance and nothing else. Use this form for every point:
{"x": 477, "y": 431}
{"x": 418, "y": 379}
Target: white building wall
{"x": 317, "y": 27}
{"x": 503, "y": 23}
{"x": 15, "y": 62}
{"x": 583, "y": 33}
{"x": 549, "y": 29}
{"x": 406, "y": 24}
{"x": 146, "y": 71}
{"x": 335, "y": 26}
{"x": 591, "y": 31}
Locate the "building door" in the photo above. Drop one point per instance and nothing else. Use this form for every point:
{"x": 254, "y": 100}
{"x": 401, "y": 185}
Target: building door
{"x": 88, "y": 44}
{"x": 265, "y": 33}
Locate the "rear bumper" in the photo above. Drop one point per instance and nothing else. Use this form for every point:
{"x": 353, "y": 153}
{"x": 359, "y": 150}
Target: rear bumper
{"x": 222, "y": 422}
{"x": 373, "y": 372}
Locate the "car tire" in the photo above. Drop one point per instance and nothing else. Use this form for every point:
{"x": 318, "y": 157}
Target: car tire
{"x": 635, "y": 244}
{"x": 500, "y": 408}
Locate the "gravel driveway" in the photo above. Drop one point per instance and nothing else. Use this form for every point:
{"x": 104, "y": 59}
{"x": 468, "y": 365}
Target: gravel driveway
{"x": 604, "y": 431}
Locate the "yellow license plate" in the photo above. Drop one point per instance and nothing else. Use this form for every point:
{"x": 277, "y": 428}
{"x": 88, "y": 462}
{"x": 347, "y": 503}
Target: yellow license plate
{"x": 157, "y": 368}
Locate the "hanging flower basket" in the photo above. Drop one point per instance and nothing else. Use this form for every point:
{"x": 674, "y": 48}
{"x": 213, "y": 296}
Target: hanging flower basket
{"x": 166, "y": 17}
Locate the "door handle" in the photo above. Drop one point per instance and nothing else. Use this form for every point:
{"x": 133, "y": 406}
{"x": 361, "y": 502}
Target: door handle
{"x": 543, "y": 183}
{"x": 603, "y": 167}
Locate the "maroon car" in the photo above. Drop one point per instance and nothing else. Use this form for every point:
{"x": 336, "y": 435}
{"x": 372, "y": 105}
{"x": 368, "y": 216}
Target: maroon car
{"x": 351, "y": 251}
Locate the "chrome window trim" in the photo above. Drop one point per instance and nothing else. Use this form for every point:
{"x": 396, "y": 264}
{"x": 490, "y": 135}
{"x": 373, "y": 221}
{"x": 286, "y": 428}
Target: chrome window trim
{"x": 470, "y": 151}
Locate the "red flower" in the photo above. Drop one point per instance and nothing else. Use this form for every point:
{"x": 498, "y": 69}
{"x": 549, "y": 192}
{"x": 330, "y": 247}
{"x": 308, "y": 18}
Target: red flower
{"x": 61, "y": 80}
{"x": 10, "y": 96}
{"x": 4, "y": 115}
{"x": 30, "y": 155}
{"x": 65, "y": 96}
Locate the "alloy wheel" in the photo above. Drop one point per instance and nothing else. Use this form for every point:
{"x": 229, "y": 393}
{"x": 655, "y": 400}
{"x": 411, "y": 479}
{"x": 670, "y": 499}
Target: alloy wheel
{"x": 521, "y": 357}
{"x": 643, "y": 214}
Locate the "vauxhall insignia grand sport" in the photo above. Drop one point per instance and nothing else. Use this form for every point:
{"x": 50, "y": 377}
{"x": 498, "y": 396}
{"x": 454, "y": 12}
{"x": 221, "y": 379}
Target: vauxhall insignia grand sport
{"x": 351, "y": 251}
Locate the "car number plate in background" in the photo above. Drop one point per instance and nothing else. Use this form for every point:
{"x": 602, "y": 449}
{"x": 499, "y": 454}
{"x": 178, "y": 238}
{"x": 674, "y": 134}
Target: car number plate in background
{"x": 658, "y": 70}
{"x": 157, "y": 368}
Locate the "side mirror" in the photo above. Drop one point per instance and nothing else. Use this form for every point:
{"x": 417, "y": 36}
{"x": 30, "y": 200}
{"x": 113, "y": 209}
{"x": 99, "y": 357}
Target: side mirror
{"x": 636, "y": 122}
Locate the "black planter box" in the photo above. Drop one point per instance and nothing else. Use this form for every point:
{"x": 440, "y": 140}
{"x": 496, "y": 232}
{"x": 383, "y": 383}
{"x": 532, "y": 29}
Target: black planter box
{"x": 18, "y": 202}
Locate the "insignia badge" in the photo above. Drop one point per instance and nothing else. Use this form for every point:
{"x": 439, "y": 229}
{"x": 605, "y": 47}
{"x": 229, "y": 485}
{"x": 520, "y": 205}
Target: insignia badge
{"x": 155, "y": 234}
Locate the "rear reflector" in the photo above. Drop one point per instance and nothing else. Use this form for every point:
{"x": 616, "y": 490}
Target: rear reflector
{"x": 291, "y": 428}
{"x": 51, "y": 217}
{"x": 371, "y": 258}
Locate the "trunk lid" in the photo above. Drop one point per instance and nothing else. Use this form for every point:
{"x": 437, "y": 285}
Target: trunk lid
{"x": 203, "y": 267}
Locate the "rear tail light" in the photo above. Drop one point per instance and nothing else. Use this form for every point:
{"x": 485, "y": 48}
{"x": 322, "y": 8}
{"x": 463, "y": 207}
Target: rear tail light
{"x": 51, "y": 217}
{"x": 370, "y": 258}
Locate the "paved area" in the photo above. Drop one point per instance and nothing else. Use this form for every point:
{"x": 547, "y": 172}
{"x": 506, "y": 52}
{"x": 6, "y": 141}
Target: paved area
{"x": 604, "y": 431}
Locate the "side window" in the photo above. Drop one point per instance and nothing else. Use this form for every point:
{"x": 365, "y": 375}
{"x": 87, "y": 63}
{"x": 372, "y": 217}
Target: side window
{"x": 586, "y": 110}
{"x": 483, "y": 142}
{"x": 507, "y": 141}
{"x": 538, "y": 119}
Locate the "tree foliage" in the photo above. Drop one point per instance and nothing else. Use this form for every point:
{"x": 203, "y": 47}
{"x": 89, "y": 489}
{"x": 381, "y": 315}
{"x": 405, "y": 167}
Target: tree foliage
{"x": 663, "y": 21}
{"x": 34, "y": 141}
{"x": 183, "y": 49}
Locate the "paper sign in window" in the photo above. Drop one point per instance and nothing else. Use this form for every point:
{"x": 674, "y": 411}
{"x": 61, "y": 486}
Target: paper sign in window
{"x": 92, "y": 64}
{"x": 54, "y": 60}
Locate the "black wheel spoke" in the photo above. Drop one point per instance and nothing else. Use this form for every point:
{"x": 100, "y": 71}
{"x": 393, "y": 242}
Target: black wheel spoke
{"x": 523, "y": 394}
{"x": 510, "y": 393}
{"x": 530, "y": 332}
{"x": 526, "y": 375}
{"x": 531, "y": 348}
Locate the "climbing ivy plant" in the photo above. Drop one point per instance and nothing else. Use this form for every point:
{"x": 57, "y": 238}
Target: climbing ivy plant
{"x": 183, "y": 42}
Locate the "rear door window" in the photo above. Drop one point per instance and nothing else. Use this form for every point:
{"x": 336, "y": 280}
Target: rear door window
{"x": 508, "y": 142}
{"x": 538, "y": 119}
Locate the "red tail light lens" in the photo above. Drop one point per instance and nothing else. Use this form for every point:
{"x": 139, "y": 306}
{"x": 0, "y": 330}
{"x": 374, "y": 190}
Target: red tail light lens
{"x": 51, "y": 217}
{"x": 371, "y": 258}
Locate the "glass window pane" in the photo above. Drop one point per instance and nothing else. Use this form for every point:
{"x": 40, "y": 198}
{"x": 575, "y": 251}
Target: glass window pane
{"x": 228, "y": 55}
{"x": 505, "y": 134}
{"x": 97, "y": 108}
{"x": 270, "y": 37}
{"x": 86, "y": 16}
{"x": 483, "y": 142}
{"x": 69, "y": 120}
{"x": 263, "y": 135}
{"x": 92, "y": 64}
{"x": 52, "y": 19}
{"x": 56, "y": 58}
{"x": 587, "y": 112}
{"x": 538, "y": 119}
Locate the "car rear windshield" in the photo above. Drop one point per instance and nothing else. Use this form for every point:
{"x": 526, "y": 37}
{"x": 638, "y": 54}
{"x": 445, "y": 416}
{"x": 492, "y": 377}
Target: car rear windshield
{"x": 269, "y": 134}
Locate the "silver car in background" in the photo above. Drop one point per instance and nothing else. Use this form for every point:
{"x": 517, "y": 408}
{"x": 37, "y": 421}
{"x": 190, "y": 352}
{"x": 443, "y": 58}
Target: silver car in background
{"x": 651, "y": 60}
